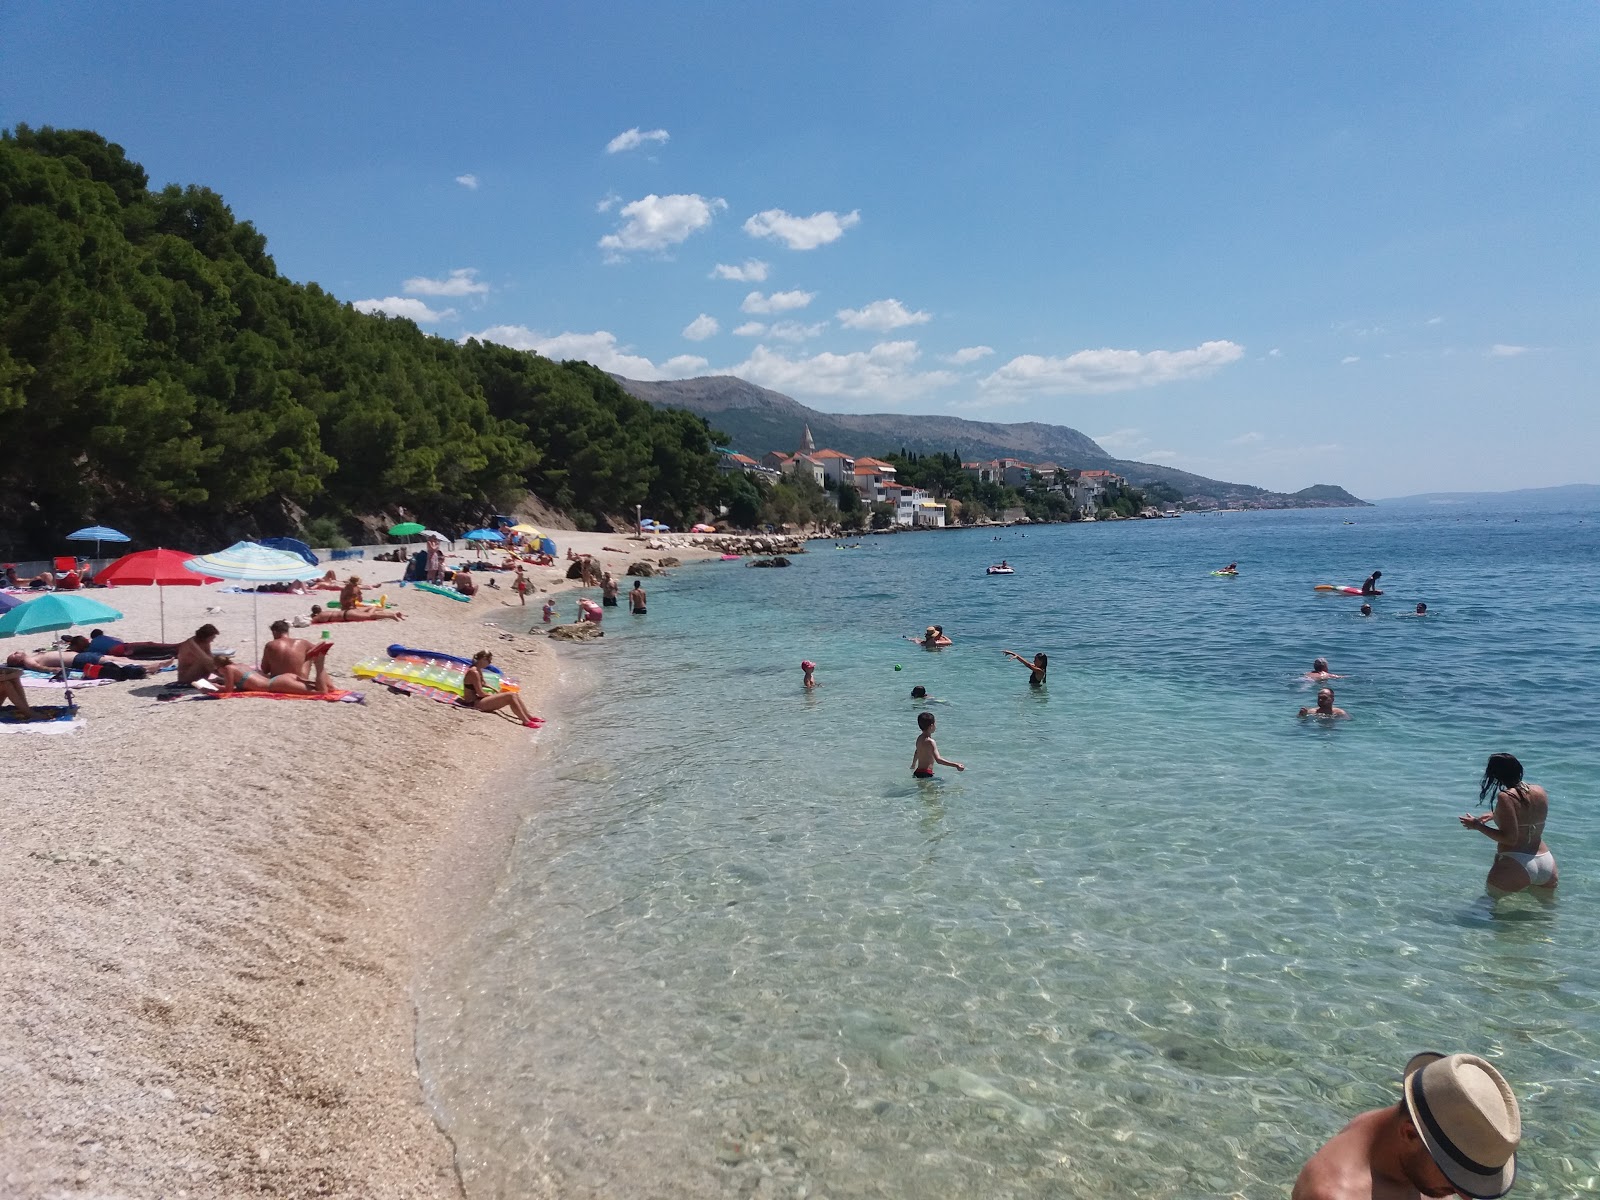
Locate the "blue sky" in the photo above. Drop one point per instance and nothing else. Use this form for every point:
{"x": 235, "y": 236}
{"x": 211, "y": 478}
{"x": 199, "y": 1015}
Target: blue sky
{"x": 1289, "y": 244}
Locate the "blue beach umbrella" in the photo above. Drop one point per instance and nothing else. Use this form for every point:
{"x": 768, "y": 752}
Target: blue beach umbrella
{"x": 55, "y": 611}
{"x": 251, "y": 562}
{"x": 8, "y": 602}
{"x": 292, "y": 546}
{"x": 547, "y": 546}
{"x": 98, "y": 534}
{"x": 483, "y": 535}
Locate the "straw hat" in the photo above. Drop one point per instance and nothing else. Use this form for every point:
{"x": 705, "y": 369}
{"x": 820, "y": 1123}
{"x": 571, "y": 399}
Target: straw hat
{"x": 1468, "y": 1118}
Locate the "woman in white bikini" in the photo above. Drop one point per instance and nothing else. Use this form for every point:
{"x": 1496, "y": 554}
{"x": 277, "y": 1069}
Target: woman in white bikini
{"x": 1521, "y": 860}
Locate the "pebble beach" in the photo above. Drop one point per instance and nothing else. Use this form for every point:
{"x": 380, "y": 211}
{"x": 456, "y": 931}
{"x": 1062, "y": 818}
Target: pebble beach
{"x": 215, "y": 909}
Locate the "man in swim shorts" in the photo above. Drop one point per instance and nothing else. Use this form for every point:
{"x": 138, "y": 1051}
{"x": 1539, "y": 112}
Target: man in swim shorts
{"x": 90, "y": 666}
{"x": 926, "y": 752}
{"x": 1454, "y": 1132}
{"x": 636, "y": 599}
{"x": 1325, "y": 708}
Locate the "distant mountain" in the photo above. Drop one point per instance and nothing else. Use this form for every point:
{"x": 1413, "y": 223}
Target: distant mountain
{"x": 757, "y": 420}
{"x": 1580, "y": 493}
{"x": 1329, "y": 494}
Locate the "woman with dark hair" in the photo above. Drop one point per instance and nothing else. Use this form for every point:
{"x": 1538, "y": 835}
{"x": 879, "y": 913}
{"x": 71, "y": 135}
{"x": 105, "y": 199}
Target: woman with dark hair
{"x": 1036, "y": 668}
{"x": 1521, "y": 860}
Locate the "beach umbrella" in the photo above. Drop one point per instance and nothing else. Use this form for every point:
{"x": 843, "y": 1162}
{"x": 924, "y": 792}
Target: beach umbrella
{"x": 98, "y": 534}
{"x": 547, "y": 546}
{"x": 406, "y": 529}
{"x": 483, "y": 535}
{"x": 292, "y": 546}
{"x": 250, "y": 562}
{"x": 54, "y": 611}
{"x": 529, "y": 530}
{"x": 434, "y": 533}
{"x": 8, "y": 602}
{"x": 154, "y": 568}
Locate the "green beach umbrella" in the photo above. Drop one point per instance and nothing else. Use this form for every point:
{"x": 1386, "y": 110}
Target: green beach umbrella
{"x": 55, "y": 611}
{"x": 405, "y": 529}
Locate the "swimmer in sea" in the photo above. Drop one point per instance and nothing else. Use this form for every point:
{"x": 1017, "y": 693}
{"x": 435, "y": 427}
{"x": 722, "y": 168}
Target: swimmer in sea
{"x": 1038, "y": 667}
{"x": 1521, "y": 859}
{"x": 926, "y": 752}
{"x": 1325, "y": 708}
{"x": 1231, "y": 569}
{"x": 1366, "y": 610}
{"x": 807, "y": 672}
{"x": 1422, "y": 609}
{"x": 1319, "y": 672}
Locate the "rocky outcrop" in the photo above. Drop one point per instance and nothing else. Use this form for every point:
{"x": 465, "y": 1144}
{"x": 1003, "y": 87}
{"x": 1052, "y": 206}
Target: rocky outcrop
{"x": 641, "y": 568}
{"x": 668, "y": 561}
{"x": 582, "y": 631}
{"x": 575, "y": 570}
{"x": 779, "y": 561}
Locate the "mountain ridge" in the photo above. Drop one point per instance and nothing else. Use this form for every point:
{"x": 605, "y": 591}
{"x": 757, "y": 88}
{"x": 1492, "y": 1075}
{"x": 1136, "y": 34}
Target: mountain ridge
{"x": 757, "y": 420}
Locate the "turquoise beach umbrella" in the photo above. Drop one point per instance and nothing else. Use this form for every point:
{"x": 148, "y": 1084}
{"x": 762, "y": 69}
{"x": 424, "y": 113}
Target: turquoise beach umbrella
{"x": 55, "y": 611}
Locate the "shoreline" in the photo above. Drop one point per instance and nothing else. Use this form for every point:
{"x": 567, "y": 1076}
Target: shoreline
{"x": 221, "y": 907}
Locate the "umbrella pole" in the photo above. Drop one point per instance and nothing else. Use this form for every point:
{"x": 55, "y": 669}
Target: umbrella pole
{"x": 161, "y": 596}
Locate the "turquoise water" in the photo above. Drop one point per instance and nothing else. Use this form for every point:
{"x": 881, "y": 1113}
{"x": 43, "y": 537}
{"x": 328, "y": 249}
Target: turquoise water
{"x": 1160, "y": 939}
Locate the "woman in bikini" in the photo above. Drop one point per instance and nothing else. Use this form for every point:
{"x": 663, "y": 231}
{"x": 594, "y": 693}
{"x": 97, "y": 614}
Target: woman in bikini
{"x": 1521, "y": 860}
{"x": 475, "y": 694}
{"x": 230, "y": 677}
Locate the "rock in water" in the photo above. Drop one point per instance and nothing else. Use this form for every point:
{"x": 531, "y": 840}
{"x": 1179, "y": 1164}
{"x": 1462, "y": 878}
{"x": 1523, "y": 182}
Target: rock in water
{"x": 641, "y": 568}
{"x": 577, "y": 633}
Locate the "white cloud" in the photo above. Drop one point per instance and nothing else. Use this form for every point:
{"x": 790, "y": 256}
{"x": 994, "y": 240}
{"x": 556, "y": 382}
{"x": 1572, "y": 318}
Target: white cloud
{"x": 969, "y": 354}
{"x": 1348, "y": 359}
{"x": 881, "y": 316}
{"x": 752, "y": 270}
{"x": 599, "y": 348}
{"x": 1121, "y": 441}
{"x": 801, "y": 233}
{"x": 470, "y": 182}
{"x": 1274, "y": 353}
{"x": 656, "y": 222}
{"x": 702, "y": 327}
{"x": 1159, "y": 455}
{"x": 461, "y": 282}
{"x": 795, "y": 331}
{"x": 632, "y": 139}
{"x": 404, "y": 306}
{"x": 1434, "y": 321}
{"x": 1107, "y": 370}
{"x": 607, "y": 202}
{"x": 1501, "y": 350}
{"x": 750, "y": 329}
{"x": 1247, "y": 439}
{"x": 886, "y": 373}
{"x": 778, "y": 302}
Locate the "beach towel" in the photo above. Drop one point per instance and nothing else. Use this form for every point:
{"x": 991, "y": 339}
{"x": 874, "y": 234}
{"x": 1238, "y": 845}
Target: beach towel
{"x": 47, "y": 718}
{"x": 453, "y": 699}
{"x": 334, "y": 696}
{"x": 38, "y": 679}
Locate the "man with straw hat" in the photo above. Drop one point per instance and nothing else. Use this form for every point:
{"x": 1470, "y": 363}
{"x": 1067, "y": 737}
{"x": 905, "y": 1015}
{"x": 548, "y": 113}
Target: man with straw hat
{"x": 1454, "y": 1133}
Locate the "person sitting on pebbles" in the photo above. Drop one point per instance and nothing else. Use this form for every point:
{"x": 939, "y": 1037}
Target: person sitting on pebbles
{"x": 230, "y": 677}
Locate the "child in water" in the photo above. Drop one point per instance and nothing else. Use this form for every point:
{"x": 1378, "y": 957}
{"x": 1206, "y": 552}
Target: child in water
{"x": 549, "y": 610}
{"x": 807, "y": 671}
{"x": 926, "y": 752}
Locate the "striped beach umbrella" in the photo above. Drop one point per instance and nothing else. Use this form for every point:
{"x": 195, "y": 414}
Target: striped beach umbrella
{"x": 251, "y": 562}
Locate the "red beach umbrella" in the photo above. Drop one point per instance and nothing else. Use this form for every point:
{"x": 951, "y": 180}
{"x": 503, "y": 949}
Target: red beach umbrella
{"x": 157, "y": 568}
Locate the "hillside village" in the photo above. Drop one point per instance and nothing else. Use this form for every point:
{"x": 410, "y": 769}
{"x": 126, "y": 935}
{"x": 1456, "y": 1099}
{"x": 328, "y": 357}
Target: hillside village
{"x": 914, "y": 507}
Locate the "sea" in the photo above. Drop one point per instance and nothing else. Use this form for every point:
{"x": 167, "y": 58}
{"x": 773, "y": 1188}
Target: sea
{"x": 1161, "y": 938}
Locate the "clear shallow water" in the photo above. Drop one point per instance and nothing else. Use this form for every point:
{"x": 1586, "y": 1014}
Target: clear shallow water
{"x": 1160, "y": 939}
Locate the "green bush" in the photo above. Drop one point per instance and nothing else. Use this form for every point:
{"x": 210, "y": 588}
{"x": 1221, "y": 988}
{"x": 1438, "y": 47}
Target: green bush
{"x": 324, "y": 532}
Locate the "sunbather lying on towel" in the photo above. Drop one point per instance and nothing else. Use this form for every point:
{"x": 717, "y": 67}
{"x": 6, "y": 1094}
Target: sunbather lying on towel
{"x": 92, "y": 666}
{"x": 229, "y": 677}
{"x": 318, "y": 617}
{"x": 103, "y": 643}
{"x": 11, "y": 689}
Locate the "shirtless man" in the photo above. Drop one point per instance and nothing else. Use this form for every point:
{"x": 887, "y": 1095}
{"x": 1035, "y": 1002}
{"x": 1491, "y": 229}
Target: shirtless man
{"x": 92, "y": 666}
{"x": 927, "y": 752}
{"x": 194, "y": 655}
{"x": 230, "y": 677}
{"x": 1369, "y": 585}
{"x": 11, "y": 689}
{"x": 284, "y": 655}
{"x": 1319, "y": 671}
{"x": 1454, "y": 1132}
{"x": 636, "y": 599}
{"x": 1325, "y": 708}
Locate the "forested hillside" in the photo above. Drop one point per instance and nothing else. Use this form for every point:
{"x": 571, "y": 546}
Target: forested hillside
{"x": 157, "y": 373}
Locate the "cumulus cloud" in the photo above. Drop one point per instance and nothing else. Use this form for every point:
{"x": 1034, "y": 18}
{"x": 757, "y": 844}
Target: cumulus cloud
{"x": 632, "y": 139}
{"x": 778, "y": 302}
{"x": 881, "y": 316}
{"x": 599, "y": 348}
{"x": 1501, "y": 350}
{"x": 463, "y": 281}
{"x": 886, "y": 373}
{"x": 1106, "y": 370}
{"x": 656, "y": 222}
{"x": 969, "y": 354}
{"x": 470, "y": 182}
{"x": 404, "y": 306}
{"x": 801, "y": 233}
{"x": 752, "y": 270}
{"x": 1121, "y": 441}
{"x": 796, "y": 331}
{"x": 702, "y": 327}
{"x": 750, "y": 329}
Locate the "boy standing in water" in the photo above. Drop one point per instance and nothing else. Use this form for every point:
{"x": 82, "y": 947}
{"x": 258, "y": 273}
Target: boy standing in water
{"x": 927, "y": 753}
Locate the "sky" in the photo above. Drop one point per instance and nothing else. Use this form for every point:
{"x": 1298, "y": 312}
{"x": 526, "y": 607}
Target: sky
{"x": 1274, "y": 244}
